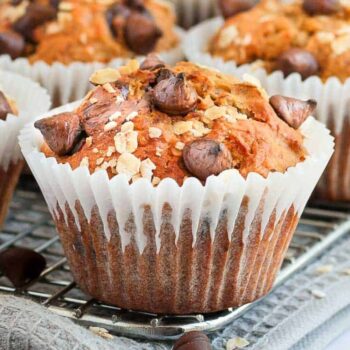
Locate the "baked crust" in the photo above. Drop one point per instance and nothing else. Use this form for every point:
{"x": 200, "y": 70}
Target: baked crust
{"x": 234, "y": 113}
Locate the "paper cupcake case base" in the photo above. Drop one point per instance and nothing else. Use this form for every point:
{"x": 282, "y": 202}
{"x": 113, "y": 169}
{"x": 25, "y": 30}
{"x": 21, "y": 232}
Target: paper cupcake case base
{"x": 187, "y": 277}
{"x": 176, "y": 249}
{"x": 67, "y": 83}
{"x": 333, "y": 99}
{"x": 8, "y": 182}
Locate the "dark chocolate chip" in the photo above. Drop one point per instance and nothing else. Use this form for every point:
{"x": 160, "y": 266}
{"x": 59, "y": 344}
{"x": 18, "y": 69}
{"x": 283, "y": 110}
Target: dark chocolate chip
{"x": 141, "y": 33}
{"x": 35, "y": 15}
{"x": 293, "y": 111}
{"x": 116, "y": 16}
{"x": 61, "y": 132}
{"x": 299, "y": 61}
{"x": 11, "y": 43}
{"x": 193, "y": 341}
{"x": 152, "y": 62}
{"x": 230, "y": 8}
{"x": 204, "y": 158}
{"x": 175, "y": 96}
{"x": 321, "y": 7}
{"x": 21, "y": 265}
{"x": 5, "y": 107}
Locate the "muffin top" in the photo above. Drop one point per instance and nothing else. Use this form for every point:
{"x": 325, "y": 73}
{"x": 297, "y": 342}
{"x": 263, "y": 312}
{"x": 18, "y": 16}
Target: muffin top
{"x": 155, "y": 121}
{"x": 309, "y": 37}
{"x": 85, "y": 30}
{"x": 7, "y": 105}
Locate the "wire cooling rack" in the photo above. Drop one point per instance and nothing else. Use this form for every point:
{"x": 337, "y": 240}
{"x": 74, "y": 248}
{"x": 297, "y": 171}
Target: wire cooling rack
{"x": 29, "y": 225}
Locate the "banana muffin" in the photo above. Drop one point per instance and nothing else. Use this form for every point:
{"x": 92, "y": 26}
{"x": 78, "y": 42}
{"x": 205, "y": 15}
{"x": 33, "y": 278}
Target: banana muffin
{"x": 85, "y": 31}
{"x": 308, "y": 37}
{"x": 181, "y": 185}
{"x": 155, "y": 121}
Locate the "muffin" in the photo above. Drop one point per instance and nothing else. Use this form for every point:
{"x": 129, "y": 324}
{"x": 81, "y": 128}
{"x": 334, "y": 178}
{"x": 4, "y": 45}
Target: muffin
{"x": 16, "y": 96}
{"x": 304, "y": 37}
{"x": 298, "y": 48}
{"x": 180, "y": 180}
{"x": 53, "y": 36}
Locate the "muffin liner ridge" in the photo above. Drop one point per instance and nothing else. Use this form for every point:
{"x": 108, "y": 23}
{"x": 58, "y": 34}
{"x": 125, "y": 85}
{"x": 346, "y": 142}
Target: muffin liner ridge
{"x": 173, "y": 249}
{"x": 23, "y": 91}
{"x": 67, "y": 83}
{"x": 333, "y": 99}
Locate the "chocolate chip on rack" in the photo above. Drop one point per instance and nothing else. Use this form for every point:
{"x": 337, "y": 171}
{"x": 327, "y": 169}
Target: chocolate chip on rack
{"x": 298, "y": 60}
{"x": 5, "y": 107}
{"x": 21, "y": 265}
{"x": 293, "y": 111}
{"x": 11, "y": 43}
{"x": 35, "y": 15}
{"x": 141, "y": 33}
{"x": 230, "y": 8}
{"x": 152, "y": 62}
{"x": 321, "y": 7}
{"x": 175, "y": 96}
{"x": 193, "y": 341}
{"x": 61, "y": 132}
{"x": 204, "y": 158}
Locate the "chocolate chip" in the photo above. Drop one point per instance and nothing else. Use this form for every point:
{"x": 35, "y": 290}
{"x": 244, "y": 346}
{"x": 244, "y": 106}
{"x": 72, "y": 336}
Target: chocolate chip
{"x": 11, "y": 43}
{"x": 321, "y": 7}
{"x": 116, "y": 16}
{"x": 61, "y": 132}
{"x": 5, "y": 107}
{"x": 293, "y": 111}
{"x": 163, "y": 74}
{"x": 299, "y": 61}
{"x": 141, "y": 33}
{"x": 175, "y": 96}
{"x": 152, "y": 62}
{"x": 193, "y": 341}
{"x": 35, "y": 15}
{"x": 230, "y": 8}
{"x": 21, "y": 265}
{"x": 204, "y": 158}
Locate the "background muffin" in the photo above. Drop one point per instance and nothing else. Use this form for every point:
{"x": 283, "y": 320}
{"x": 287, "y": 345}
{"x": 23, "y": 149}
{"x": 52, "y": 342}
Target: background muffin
{"x": 16, "y": 108}
{"x": 181, "y": 180}
{"x": 300, "y": 37}
{"x": 86, "y": 31}
{"x": 59, "y": 44}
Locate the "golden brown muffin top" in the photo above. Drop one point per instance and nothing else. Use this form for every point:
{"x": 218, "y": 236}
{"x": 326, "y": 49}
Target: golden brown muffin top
{"x": 310, "y": 37}
{"x": 156, "y": 122}
{"x": 86, "y": 31}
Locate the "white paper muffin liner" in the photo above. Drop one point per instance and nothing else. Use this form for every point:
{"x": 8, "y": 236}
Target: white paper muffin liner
{"x": 31, "y": 100}
{"x": 191, "y": 12}
{"x": 333, "y": 99}
{"x": 67, "y": 83}
{"x": 114, "y": 232}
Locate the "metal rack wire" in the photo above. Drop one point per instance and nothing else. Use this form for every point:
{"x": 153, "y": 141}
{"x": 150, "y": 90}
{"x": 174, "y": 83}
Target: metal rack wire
{"x": 29, "y": 225}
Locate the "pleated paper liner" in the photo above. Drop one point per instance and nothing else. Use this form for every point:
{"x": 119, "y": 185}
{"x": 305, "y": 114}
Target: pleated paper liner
{"x": 176, "y": 249}
{"x": 31, "y": 100}
{"x": 67, "y": 83}
{"x": 333, "y": 99}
